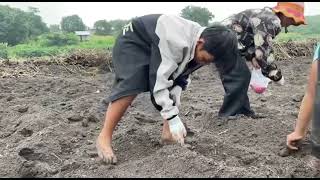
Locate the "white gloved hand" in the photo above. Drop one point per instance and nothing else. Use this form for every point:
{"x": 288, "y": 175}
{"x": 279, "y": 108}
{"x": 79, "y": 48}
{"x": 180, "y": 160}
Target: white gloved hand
{"x": 176, "y": 95}
{"x": 177, "y": 130}
{"x": 280, "y": 82}
{"x": 189, "y": 82}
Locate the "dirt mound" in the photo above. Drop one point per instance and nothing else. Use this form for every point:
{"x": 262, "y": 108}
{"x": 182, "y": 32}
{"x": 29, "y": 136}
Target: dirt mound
{"x": 78, "y": 62}
{"x": 90, "y": 58}
{"x": 294, "y": 49}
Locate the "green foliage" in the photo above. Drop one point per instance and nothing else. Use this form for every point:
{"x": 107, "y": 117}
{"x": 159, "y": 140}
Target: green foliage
{"x": 72, "y": 23}
{"x": 17, "y": 26}
{"x": 102, "y": 27}
{"x": 312, "y": 27}
{"x": 59, "y": 39}
{"x": 39, "y": 47}
{"x": 12, "y": 25}
{"x": 37, "y": 51}
{"x": 97, "y": 42}
{"x": 113, "y": 27}
{"x": 197, "y": 14}
{"x": 54, "y": 28}
{"x": 302, "y": 32}
{"x": 3, "y": 51}
{"x": 33, "y": 10}
{"x": 117, "y": 26}
{"x": 294, "y": 36}
{"x": 35, "y": 23}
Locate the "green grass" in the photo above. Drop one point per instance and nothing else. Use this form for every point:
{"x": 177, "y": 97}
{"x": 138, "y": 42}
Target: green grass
{"x": 97, "y": 42}
{"x": 296, "y": 36}
{"x": 36, "y": 49}
{"x": 302, "y": 32}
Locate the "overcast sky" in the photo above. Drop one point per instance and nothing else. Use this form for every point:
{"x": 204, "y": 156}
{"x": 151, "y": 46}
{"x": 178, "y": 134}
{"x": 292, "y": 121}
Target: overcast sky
{"x": 52, "y": 12}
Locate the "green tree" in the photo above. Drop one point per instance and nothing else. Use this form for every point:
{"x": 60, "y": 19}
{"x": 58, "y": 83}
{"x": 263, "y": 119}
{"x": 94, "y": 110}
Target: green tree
{"x": 102, "y": 27}
{"x": 197, "y": 14}
{"x": 72, "y": 23}
{"x": 17, "y": 29}
{"x": 33, "y": 10}
{"x": 54, "y": 28}
{"x": 117, "y": 25}
{"x": 60, "y": 39}
{"x": 35, "y": 23}
{"x": 3, "y": 51}
{"x": 17, "y": 26}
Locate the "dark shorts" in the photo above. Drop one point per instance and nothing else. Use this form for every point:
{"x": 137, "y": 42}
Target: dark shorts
{"x": 131, "y": 59}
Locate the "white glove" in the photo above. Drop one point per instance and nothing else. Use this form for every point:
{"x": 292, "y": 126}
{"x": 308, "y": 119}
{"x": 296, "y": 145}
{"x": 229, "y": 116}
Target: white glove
{"x": 176, "y": 94}
{"x": 177, "y": 129}
{"x": 280, "y": 82}
{"x": 189, "y": 82}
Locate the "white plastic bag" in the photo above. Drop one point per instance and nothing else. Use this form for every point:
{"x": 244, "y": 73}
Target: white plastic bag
{"x": 258, "y": 82}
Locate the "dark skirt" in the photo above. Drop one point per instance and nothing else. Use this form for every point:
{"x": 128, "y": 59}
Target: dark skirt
{"x": 131, "y": 59}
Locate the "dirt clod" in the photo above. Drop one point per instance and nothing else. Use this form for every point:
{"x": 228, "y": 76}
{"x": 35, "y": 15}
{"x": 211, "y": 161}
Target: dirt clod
{"x": 23, "y": 109}
{"x": 75, "y": 118}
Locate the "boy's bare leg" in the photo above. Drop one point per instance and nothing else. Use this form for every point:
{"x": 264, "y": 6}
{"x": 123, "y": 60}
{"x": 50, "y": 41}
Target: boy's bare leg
{"x": 114, "y": 113}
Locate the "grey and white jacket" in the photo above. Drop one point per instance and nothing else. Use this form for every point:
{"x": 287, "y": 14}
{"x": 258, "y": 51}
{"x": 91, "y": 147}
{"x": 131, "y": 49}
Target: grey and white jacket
{"x": 173, "y": 40}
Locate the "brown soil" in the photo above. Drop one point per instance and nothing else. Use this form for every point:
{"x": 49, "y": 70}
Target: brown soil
{"x": 50, "y": 117}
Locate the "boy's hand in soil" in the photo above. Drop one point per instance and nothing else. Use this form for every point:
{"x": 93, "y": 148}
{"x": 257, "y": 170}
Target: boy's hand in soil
{"x": 177, "y": 130}
{"x": 293, "y": 139}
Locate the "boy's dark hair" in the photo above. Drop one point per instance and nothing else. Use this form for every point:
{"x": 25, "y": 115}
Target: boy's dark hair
{"x": 222, "y": 43}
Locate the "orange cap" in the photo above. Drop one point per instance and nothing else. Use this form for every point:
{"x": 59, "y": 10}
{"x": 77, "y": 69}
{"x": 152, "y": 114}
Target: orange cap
{"x": 293, "y": 10}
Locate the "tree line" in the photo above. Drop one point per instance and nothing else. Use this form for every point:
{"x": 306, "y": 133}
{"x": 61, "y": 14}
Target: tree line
{"x": 18, "y": 26}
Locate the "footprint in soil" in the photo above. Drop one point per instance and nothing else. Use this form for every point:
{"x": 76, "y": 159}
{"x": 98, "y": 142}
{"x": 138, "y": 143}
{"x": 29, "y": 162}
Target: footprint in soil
{"x": 143, "y": 118}
{"x": 87, "y": 119}
{"x": 190, "y": 133}
{"x": 29, "y": 154}
{"x": 29, "y": 169}
{"x": 249, "y": 159}
{"x": 10, "y": 98}
{"x": 26, "y": 132}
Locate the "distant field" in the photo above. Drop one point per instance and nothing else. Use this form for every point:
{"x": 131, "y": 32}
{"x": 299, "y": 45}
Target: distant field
{"x": 302, "y": 32}
{"x": 296, "y": 36}
{"x": 36, "y": 49}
